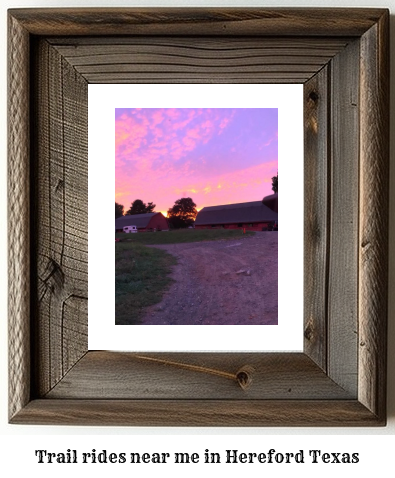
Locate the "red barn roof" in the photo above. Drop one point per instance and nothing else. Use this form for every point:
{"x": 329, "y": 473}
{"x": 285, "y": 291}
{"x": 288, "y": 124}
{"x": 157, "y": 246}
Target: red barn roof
{"x": 271, "y": 201}
{"x": 138, "y": 220}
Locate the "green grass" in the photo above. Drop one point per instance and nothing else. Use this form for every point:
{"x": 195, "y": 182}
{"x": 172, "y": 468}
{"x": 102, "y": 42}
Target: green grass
{"x": 141, "y": 278}
{"x": 142, "y": 273}
{"x": 182, "y": 235}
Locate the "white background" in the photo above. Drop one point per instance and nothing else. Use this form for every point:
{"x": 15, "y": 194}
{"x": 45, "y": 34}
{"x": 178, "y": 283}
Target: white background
{"x": 19, "y": 442}
{"x": 103, "y": 333}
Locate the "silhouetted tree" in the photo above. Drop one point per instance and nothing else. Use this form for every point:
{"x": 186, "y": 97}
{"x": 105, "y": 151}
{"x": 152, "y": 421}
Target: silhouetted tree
{"x": 150, "y": 207}
{"x": 118, "y": 210}
{"x": 275, "y": 183}
{"x": 139, "y": 207}
{"x": 182, "y": 214}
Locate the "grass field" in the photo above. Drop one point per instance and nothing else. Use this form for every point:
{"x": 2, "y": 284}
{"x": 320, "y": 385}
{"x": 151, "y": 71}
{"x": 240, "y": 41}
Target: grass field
{"x": 182, "y": 236}
{"x": 142, "y": 273}
{"x": 141, "y": 277}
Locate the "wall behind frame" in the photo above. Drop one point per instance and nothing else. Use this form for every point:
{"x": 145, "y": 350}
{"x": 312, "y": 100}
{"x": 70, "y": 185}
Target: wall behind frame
{"x": 331, "y": 435}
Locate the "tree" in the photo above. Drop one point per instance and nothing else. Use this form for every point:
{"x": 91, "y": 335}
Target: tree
{"x": 118, "y": 210}
{"x": 182, "y": 214}
{"x": 150, "y": 207}
{"x": 139, "y": 207}
{"x": 275, "y": 183}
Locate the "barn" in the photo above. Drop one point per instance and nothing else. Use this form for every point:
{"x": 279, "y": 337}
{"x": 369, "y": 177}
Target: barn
{"x": 271, "y": 202}
{"x": 153, "y": 221}
{"x": 252, "y": 216}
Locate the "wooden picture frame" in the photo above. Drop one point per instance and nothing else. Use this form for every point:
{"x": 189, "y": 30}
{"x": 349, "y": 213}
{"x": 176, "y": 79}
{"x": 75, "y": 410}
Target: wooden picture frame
{"x": 342, "y": 58}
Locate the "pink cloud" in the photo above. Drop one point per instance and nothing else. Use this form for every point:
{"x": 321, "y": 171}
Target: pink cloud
{"x": 189, "y": 143}
{"x": 184, "y": 123}
{"x": 172, "y": 113}
{"x": 157, "y": 118}
{"x": 194, "y": 133}
{"x": 158, "y": 159}
{"x": 232, "y": 185}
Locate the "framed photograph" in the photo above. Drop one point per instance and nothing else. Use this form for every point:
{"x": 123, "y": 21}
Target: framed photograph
{"x": 215, "y": 146}
{"x": 341, "y": 59}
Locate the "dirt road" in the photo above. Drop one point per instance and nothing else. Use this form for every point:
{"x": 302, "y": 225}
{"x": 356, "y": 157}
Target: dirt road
{"x": 221, "y": 283}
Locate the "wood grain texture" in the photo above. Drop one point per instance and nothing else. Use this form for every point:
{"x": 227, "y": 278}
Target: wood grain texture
{"x": 206, "y": 413}
{"x": 196, "y": 376}
{"x": 259, "y": 22}
{"x": 192, "y": 60}
{"x": 373, "y": 228}
{"x": 61, "y": 199}
{"x": 316, "y": 214}
{"x": 346, "y": 216}
{"x": 18, "y": 218}
{"x": 343, "y": 254}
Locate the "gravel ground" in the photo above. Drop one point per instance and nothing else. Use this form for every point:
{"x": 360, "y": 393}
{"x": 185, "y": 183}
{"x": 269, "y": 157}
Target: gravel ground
{"x": 221, "y": 283}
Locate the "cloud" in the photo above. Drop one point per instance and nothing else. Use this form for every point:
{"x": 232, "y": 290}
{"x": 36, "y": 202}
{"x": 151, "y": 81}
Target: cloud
{"x": 213, "y": 154}
{"x": 232, "y": 185}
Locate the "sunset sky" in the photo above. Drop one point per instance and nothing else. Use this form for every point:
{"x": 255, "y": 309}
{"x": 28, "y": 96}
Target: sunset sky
{"x": 214, "y": 156}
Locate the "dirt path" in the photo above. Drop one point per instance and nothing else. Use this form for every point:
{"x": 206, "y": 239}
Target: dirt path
{"x": 221, "y": 283}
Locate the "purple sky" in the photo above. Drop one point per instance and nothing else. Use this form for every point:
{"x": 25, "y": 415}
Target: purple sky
{"x": 215, "y": 156}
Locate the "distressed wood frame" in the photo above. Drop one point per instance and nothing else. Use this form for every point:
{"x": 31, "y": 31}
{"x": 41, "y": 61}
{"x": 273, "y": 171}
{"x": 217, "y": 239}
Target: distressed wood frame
{"x": 342, "y": 58}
